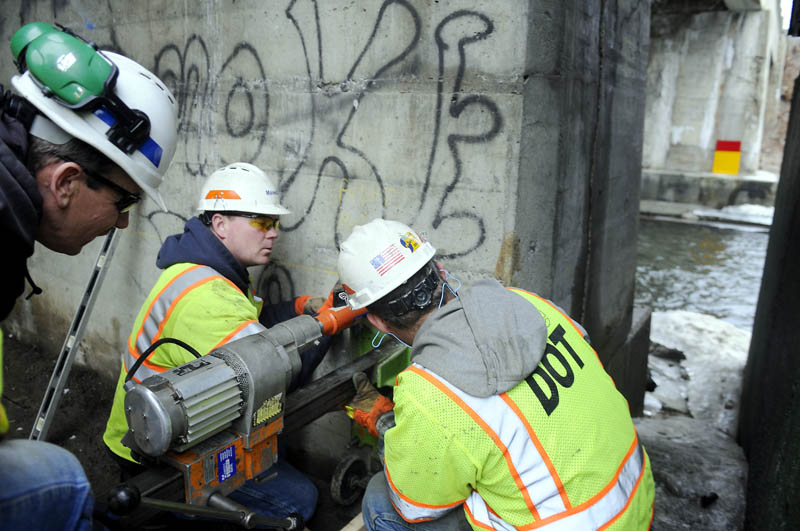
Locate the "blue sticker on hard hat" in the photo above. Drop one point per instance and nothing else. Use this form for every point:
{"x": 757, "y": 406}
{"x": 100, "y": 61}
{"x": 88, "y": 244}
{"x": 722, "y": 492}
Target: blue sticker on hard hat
{"x": 226, "y": 463}
{"x": 388, "y": 258}
{"x": 409, "y": 241}
{"x": 150, "y": 149}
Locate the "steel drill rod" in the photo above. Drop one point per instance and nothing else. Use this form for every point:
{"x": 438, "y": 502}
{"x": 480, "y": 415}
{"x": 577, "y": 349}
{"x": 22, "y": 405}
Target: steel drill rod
{"x": 250, "y": 518}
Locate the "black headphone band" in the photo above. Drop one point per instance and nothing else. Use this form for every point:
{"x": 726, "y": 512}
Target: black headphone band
{"x": 417, "y": 298}
{"x": 17, "y": 107}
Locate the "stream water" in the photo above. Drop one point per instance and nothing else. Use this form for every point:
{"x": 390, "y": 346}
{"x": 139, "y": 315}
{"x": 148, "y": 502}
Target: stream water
{"x": 704, "y": 269}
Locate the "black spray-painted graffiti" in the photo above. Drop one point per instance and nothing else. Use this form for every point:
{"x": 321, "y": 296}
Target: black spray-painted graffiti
{"x": 330, "y": 138}
{"x": 457, "y": 106}
{"x": 458, "y": 103}
{"x": 246, "y": 107}
{"x": 275, "y": 284}
{"x": 342, "y": 96}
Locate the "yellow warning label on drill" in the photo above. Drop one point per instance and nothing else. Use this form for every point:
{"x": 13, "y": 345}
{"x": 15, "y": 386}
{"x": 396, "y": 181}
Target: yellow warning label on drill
{"x": 270, "y": 408}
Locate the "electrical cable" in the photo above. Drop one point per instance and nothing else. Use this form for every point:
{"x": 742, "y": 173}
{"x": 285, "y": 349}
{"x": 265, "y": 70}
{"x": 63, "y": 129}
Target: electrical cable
{"x": 154, "y": 346}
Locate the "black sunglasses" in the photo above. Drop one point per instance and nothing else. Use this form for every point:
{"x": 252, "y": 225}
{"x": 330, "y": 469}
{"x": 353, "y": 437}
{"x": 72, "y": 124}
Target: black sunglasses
{"x": 126, "y": 200}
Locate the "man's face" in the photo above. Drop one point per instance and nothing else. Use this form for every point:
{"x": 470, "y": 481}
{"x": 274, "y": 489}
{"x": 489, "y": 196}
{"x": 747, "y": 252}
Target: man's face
{"x": 75, "y": 214}
{"x": 250, "y": 240}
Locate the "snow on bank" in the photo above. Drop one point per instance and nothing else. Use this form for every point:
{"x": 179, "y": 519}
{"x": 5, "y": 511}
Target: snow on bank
{"x": 707, "y": 383}
{"x": 752, "y": 214}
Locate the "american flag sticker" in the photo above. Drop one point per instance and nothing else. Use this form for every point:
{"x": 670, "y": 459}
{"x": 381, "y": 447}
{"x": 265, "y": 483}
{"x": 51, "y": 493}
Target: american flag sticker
{"x": 388, "y": 258}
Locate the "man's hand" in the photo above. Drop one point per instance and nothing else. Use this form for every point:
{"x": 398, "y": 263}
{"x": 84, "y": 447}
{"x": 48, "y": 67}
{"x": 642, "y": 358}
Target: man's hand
{"x": 368, "y": 404}
{"x": 310, "y": 305}
{"x": 313, "y": 305}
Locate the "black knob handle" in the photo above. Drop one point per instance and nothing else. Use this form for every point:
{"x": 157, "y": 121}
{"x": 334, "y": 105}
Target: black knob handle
{"x": 124, "y": 499}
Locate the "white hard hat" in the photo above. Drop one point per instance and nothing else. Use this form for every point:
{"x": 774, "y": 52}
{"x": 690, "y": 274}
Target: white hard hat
{"x": 241, "y": 187}
{"x": 139, "y": 89}
{"x": 378, "y": 257}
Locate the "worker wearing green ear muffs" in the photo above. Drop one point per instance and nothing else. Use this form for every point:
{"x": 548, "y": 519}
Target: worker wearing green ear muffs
{"x": 84, "y": 136}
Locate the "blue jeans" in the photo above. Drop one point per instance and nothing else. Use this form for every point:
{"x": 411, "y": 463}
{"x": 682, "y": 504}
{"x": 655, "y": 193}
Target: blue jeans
{"x": 289, "y": 492}
{"x": 380, "y": 515}
{"x": 42, "y": 486}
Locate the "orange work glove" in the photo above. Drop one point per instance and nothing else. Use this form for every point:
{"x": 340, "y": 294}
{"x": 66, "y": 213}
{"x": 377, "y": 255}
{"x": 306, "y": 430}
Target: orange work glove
{"x": 312, "y": 305}
{"x": 368, "y": 404}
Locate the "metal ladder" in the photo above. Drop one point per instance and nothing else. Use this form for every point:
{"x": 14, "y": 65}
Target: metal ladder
{"x": 64, "y": 363}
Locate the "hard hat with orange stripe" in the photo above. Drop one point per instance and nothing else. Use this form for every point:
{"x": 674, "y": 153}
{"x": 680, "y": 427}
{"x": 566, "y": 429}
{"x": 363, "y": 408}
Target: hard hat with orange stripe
{"x": 241, "y": 187}
{"x": 378, "y": 257}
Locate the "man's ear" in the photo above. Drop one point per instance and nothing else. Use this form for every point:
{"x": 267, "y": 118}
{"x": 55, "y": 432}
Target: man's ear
{"x": 439, "y": 269}
{"x": 64, "y": 180}
{"x": 377, "y": 322}
{"x": 219, "y": 225}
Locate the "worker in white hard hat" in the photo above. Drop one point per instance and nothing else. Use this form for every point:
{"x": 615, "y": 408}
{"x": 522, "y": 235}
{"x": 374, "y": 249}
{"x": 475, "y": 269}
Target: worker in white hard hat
{"x": 505, "y": 419}
{"x": 205, "y": 298}
{"x": 82, "y": 136}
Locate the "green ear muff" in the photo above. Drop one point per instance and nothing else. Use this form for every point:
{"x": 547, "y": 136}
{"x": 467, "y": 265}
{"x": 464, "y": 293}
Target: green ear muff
{"x": 25, "y": 35}
{"x": 71, "y": 71}
{"x": 66, "y": 66}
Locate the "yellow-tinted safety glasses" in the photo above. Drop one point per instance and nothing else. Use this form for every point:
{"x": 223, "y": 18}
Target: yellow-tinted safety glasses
{"x": 261, "y": 222}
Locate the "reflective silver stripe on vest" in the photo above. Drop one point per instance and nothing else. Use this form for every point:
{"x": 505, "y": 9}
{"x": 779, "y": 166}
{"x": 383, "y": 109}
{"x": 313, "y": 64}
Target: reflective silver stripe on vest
{"x": 531, "y": 467}
{"x": 159, "y": 309}
{"x": 529, "y": 464}
{"x": 417, "y": 513}
{"x": 593, "y": 516}
{"x": 255, "y": 297}
{"x": 604, "y": 510}
{"x": 481, "y": 513}
{"x": 253, "y": 327}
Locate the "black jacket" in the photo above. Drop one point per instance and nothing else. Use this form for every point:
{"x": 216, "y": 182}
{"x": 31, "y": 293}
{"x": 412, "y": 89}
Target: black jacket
{"x": 20, "y": 210}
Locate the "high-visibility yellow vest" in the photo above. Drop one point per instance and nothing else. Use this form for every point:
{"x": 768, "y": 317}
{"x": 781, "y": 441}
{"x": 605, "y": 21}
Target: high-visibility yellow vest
{"x": 557, "y": 451}
{"x": 3, "y": 416}
{"x": 194, "y": 304}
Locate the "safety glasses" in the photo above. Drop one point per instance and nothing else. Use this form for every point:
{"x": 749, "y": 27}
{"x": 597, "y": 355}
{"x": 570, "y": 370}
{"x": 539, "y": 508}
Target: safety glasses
{"x": 126, "y": 200}
{"x": 259, "y": 221}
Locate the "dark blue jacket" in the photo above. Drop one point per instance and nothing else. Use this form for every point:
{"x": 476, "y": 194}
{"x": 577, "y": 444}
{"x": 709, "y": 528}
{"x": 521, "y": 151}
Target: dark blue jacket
{"x": 198, "y": 245}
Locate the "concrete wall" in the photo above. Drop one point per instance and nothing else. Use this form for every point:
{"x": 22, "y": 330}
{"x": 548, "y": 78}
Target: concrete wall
{"x": 708, "y": 76}
{"x": 777, "y": 119}
{"x": 581, "y": 136}
{"x": 509, "y": 132}
{"x": 362, "y": 110}
{"x": 769, "y": 421}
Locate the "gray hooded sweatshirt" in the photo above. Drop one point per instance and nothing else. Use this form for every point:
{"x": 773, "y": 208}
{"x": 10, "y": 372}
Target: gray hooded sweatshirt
{"x": 484, "y": 342}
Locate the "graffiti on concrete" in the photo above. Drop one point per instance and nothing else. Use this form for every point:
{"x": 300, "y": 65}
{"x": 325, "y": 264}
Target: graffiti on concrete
{"x": 458, "y": 104}
{"x": 275, "y": 284}
{"x": 317, "y": 142}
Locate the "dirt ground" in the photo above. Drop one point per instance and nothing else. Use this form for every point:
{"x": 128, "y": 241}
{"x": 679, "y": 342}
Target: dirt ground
{"x": 81, "y": 418}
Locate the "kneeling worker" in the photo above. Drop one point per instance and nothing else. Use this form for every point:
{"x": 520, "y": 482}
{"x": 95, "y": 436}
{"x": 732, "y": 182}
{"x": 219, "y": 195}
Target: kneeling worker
{"x": 505, "y": 411}
{"x": 205, "y": 298}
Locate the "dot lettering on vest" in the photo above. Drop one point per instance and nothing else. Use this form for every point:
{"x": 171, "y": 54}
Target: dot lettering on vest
{"x": 552, "y": 377}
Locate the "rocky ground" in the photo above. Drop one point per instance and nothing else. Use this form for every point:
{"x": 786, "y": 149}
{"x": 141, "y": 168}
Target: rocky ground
{"x": 700, "y": 471}
{"x": 689, "y": 429}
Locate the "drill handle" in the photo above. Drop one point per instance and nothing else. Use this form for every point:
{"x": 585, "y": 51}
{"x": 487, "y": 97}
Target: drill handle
{"x": 336, "y": 319}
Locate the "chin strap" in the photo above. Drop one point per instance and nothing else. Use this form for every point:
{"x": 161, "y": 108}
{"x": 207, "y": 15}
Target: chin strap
{"x": 35, "y": 290}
